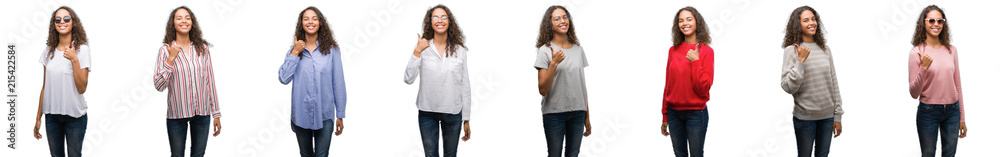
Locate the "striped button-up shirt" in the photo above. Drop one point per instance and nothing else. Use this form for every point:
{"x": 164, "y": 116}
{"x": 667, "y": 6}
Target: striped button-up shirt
{"x": 191, "y": 81}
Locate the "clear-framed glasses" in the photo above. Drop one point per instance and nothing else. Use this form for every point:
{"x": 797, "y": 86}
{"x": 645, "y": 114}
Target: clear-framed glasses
{"x": 560, "y": 18}
{"x": 439, "y": 18}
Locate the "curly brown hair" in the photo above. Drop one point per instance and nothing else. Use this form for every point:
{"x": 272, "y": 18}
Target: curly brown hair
{"x": 324, "y": 35}
{"x": 920, "y": 34}
{"x": 700, "y": 31}
{"x": 546, "y": 33}
{"x": 455, "y": 36}
{"x": 79, "y": 36}
{"x": 194, "y": 35}
{"x": 793, "y": 32}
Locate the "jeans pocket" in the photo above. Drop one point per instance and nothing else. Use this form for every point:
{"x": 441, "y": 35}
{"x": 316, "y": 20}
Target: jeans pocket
{"x": 925, "y": 108}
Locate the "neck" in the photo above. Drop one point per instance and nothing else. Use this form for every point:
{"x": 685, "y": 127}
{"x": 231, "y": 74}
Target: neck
{"x": 691, "y": 39}
{"x": 311, "y": 38}
{"x": 65, "y": 39}
{"x": 183, "y": 39}
{"x": 933, "y": 41}
{"x": 440, "y": 38}
{"x": 560, "y": 39}
{"x": 807, "y": 39}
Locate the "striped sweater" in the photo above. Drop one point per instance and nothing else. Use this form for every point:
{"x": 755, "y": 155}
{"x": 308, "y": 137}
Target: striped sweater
{"x": 813, "y": 84}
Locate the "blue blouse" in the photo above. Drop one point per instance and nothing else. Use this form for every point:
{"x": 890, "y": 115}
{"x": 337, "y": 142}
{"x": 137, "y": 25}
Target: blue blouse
{"x": 317, "y": 86}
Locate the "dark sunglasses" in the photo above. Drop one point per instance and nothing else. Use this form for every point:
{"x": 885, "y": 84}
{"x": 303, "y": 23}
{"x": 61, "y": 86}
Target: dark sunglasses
{"x": 64, "y": 19}
{"x": 935, "y": 21}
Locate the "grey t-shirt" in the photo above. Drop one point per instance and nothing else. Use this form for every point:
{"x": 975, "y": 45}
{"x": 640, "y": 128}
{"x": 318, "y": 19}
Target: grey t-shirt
{"x": 569, "y": 87}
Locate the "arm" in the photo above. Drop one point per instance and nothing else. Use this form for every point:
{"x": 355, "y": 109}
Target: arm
{"x": 339, "y": 85}
{"x": 80, "y": 75}
{"x": 412, "y": 69}
{"x": 835, "y": 93}
{"x": 466, "y": 88}
{"x": 213, "y": 98}
{"x": 287, "y": 69}
{"x": 916, "y": 74}
{"x": 546, "y": 70}
{"x": 703, "y": 72}
{"x": 164, "y": 70}
{"x": 791, "y": 71}
{"x": 958, "y": 87}
{"x": 38, "y": 115}
{"x": 666, "y": 87}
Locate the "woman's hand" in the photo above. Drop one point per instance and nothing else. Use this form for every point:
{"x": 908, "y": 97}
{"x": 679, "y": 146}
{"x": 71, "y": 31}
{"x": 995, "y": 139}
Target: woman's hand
{"x": 340, "y": 127}
{"x": 663, "y": 129}
{"x": 298, "y": 46}
{"x": 925, "y": 61}
{"x": 70, "y": 52}
{"x": 218, "y": 126}
{"x": 557, "y": 56}
{"x": 837, "y": 129}
{"x": 803, "y": 52}
{"x": 38, "y": 124}
{"x": 586, "y": 126}
{"x": 692, "y": 55}
{"x": 421, "y": 45}
{"x": 961, "y": 130}
{"x": 468, "y": 131}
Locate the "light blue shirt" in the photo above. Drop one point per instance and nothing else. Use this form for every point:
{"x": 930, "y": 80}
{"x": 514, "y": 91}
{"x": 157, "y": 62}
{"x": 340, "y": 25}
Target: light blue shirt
{"x": 318, "y": 90}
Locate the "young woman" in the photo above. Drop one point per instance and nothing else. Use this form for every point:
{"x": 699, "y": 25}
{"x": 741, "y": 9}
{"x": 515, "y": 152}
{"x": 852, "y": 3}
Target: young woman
{"x": 184, "y": 66}
{"x": 935, "y": 80}
{"x": 811, "y": 79}
{"x": 445, "y": 96}
{"x": 560, "y": 62}
{"x": 690, "y": 70}
{"x": 314, "y": 62}
{"x": 61, "y": 99}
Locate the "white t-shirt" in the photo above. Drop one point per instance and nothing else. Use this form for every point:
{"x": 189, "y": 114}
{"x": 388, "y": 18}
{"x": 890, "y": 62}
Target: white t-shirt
{"x": 61, "y": 96}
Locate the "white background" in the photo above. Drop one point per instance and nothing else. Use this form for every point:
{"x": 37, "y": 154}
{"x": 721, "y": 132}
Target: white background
{"x": 626, "y": 41}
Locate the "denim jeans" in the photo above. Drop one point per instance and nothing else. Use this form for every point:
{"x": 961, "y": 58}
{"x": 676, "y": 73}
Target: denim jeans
{"x": 931, "y": 118}
{"x": 63, "y": 127}
{"x": 809, "y": 131}
{"x": 450, "y": 128}
{"x": 321, "y": 137}
{"x": 688, "y": 128}
{"x": 564, "y": 125}
{"x": 177, "y": 133}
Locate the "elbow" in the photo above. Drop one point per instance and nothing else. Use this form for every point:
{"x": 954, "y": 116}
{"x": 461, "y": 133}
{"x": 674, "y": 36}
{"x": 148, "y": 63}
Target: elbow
{"x": 81, "y": 90}
{"x": 543, "y": 91}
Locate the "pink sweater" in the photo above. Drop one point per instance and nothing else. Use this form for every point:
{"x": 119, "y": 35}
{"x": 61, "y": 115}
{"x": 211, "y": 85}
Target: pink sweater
{"x": 941, "y": 83}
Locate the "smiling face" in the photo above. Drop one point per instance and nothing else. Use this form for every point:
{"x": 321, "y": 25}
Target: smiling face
{"x": 686, "y": 22}
{"x": 310, "y": 22}
{"x": 933, "y": 29}
{"x": 440, "y": 21}
{"x": 560, "y": 21}
{"x": 808, "y": 22}
{"x": 182, "y": 21}
{"x": 61, "y": 25}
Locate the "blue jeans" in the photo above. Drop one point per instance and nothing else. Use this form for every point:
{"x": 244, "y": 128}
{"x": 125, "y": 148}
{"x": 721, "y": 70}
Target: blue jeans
{"x": 451, "y": 127}
{"x": 177, "y": 133}
{"x": 568, "y": 125}
{"x": 931, "y": 118}
{"x": 688, "y": 128}
{"x": 322, "y": 137}
{"x": 63, "y": 127}
{"x": 809, "y": 131}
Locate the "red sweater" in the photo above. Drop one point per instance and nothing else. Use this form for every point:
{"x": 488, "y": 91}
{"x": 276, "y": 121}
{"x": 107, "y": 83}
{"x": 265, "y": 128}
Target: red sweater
{"x": 688, "y": 82}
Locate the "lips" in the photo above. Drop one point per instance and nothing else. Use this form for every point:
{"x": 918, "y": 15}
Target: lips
{"x": 184, "y": 26}
{"x": 686, "y": 29}
{"x": 563, "y": 27}
{"x": 63, "y": 27}
{"x": 811, "y": 28}
{"x": 310, "y": 27}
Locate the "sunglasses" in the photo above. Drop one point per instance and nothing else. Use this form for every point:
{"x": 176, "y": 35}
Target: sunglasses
{"x": 438, "y": 18}
{"x": 64, "y": 19}
{"x": 935, "y": 21}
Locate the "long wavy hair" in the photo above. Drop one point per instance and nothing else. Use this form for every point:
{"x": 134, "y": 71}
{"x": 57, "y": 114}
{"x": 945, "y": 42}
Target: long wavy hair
{"x": 546, "y": 33}
{"x": 455, "y": 36}
{"x": 324, "y": 35}
{"x": 194, "y": 35}
{"x": 793, "y": 32}
{"x": 920, "y": 34}
{"x": 79, "y": 36}
{"x": 700, "y": 31}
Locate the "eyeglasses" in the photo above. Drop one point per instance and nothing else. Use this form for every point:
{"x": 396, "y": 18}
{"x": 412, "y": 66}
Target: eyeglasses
{"x": 560, "y": 18}
{"x": 438, "y": 18}
{"x": 64, "y": 19}
{"x": 935, "y": 21}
